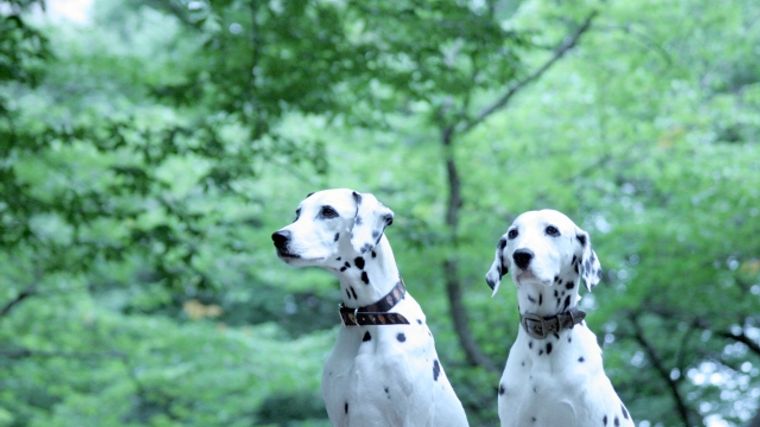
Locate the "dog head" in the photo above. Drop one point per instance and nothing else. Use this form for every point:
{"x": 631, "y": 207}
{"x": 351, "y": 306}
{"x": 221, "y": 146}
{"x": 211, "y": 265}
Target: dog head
{"x": 544, "y": 247}
{"x": 330, "y": 222}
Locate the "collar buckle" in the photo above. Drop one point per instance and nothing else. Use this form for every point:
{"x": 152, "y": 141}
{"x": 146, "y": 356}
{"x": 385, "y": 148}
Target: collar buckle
{"x": 540, "y": 327}
{"x": 348, "y": 315}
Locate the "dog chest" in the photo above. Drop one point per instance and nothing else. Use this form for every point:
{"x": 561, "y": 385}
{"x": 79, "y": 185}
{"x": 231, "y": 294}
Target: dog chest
{"x": 381, "y": 371}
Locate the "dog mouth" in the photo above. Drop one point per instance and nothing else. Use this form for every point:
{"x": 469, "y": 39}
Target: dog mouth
{"x": 283, "y": 253}
{"x": 527, "y": 276}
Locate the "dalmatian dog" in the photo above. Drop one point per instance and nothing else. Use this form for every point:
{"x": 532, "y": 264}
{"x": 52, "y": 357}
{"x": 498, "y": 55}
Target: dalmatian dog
{"x": 384, "y": 369}
{"x": 554, "y": 374}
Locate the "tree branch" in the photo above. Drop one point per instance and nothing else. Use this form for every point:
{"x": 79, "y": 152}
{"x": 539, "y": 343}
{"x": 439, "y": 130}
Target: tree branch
{"x": 26, "y": 293}
{"x": 565, "y": 46}
{"x": 742, "y": 338}
{"x": 24, "y": 353}
{"x": 702, "y": 323}
{"x": 659, "y": 366}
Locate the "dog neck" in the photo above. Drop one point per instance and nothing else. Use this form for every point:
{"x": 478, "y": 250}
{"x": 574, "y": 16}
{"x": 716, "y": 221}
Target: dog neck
{"x": 366, "y": 278}
{"x": 542, "y": 300}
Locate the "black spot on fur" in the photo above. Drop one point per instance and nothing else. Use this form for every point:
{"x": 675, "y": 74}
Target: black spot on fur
{"x": 345, "y": 408}
{"x": 419, "y": 321}
{"x": 502, "y": 243}
{"x": 347, "y": 265}
{"x": 533, "y": 419}
{"x": 604, "y": 420}
{"x": 358, "y": 220}
{"x": 365, "y": 248}
{"x": 570, "y": 285}
{"x": 359, "y": 262}
{"x": 569, "y": 338}
{"x": 530, "y": 344}
{"x": 338, "y": 259}
{"x": 367, "y": 337}
{"x": 357, "y": 197}
{"x": 531, "y": 299}
{"x": 353, "y": 292}
{"x": 348, "y": 295}
{"x": 540, "y": 298}
{"x": 337, "y": 236}
{"x": 343, "y": 268}
{"x": 581, "y": 238}
{"x": 503, "y": 269}
{"x": 581, "y": 359}
{"x": 625, "y": 411}
{"x": 401, "y": 337}
{"x": 617, "y": 421}
{"x": 540, "y": 352}
{"x": 374, "y": 254}
{"x": 501, "y": 389}
{"x": 556, "y": 279}
{"x": 548, "y": 348}
{"x": 436, "y": 370}
{"x": 556, "y": 335}
{"x": 365, "y": 278}
{"x": 556, "y": 294}
{"x": 567, "y": 303}
{"x": 375, "y": 234}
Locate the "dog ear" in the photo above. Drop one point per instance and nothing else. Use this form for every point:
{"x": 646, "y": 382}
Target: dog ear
{"x": 369, "y": 223}
{"x": 589, "y": 267}
{"x": 498, "y": 267}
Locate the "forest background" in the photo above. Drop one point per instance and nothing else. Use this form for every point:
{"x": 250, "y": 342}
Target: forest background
{"x": 149, "y": 148}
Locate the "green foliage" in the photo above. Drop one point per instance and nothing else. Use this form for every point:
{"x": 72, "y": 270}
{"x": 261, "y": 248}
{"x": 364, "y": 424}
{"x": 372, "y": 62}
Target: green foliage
{"x": 146, "y": 157}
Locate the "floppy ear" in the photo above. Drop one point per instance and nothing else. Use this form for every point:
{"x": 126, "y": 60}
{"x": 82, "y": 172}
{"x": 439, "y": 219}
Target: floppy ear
{"x": 369, "y": 223}
{"x": 589, "y": 267}
{"x": 498, "y": 267}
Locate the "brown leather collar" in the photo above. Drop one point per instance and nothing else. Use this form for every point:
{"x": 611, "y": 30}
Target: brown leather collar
{"x": 377, "y": 313}
{"x": 540, "y": 327}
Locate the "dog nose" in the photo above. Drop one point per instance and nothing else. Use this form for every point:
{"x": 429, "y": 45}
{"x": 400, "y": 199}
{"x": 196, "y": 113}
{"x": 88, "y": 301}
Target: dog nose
{"x": 281, "y": 238}
{"x": 522, "y": 257}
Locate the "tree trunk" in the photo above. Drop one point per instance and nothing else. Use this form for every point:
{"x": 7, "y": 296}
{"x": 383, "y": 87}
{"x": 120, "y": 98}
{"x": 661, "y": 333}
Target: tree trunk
{"x": 684, "y": 412}
{"x": 451, "y": 266}
{"x": 462, "y": 126}
{"x": 755, "y": 422}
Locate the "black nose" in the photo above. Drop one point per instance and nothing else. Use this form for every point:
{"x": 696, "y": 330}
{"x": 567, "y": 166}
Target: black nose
{"x": 522, "y": 257}
{"x": 281, "y": 238}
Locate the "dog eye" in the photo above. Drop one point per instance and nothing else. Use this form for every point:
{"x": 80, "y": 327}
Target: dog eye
{"x": 512, "y": 233}
{"x": 328, "y": 212}
{"x": 552, "y": 231}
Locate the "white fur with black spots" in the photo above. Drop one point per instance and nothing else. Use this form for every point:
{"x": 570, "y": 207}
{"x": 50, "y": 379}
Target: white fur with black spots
{"x": 380, "y": 375}
{"x": 558, "y": 380}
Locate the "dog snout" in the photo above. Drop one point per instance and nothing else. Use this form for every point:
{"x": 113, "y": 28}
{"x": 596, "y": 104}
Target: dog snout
{"x": 522, "y": 257}
{"x": 281, "y": 239}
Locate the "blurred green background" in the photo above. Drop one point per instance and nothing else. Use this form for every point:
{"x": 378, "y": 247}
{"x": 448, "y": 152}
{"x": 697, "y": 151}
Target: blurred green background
{"x": 148, "y": 148}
